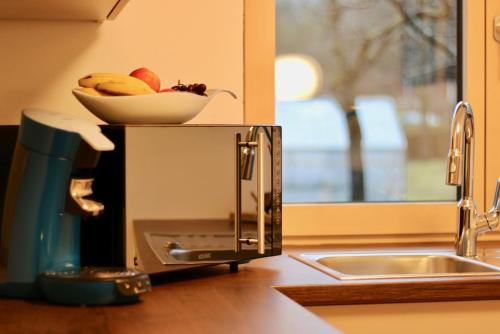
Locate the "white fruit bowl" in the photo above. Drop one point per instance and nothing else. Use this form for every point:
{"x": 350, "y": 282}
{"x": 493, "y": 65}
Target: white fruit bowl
{"x": 159, "y": 108}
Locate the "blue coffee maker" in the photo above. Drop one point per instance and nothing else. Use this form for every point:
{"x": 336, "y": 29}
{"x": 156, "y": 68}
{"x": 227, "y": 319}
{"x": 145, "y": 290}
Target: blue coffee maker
{"x": 46, "y": 198}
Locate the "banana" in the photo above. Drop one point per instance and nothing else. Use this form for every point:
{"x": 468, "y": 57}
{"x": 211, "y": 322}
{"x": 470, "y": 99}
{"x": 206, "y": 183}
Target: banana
{"x": 93, "y": 79}
{"x": 124, "y": 88}
{"x": 91, "y": 91}
{"x": 115, "y": 84}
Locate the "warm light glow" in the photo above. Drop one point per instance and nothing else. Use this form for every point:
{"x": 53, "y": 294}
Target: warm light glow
{"x": 298, "y": 77}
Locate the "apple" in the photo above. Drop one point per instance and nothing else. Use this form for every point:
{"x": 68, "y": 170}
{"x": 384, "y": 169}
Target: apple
{"x": 148, "y": 77}
{"x": 165, "y": 90}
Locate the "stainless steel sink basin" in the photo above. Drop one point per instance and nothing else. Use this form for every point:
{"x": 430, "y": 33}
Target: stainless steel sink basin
{"x": 352, "y": 266}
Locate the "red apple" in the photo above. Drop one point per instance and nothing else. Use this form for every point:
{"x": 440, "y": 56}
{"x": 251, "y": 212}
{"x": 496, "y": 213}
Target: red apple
{"x": 148, "y": 77}
{"x": 165, "y": 90}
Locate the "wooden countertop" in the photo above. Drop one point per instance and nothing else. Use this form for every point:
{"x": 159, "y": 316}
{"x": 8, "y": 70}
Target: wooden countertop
{"x": 206, "y": 300}
{"x": 212, "y": 300}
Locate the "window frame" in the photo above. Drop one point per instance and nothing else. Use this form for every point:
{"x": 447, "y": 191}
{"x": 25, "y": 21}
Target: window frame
{"x": 387, "y": 221}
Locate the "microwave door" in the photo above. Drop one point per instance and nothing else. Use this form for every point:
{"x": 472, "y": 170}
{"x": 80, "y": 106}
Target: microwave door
{"x": 196, "y": 224}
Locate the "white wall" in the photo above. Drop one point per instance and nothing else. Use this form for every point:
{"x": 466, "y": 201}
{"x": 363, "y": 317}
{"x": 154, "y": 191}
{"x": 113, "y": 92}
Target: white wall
{"x": 192, "y": 40}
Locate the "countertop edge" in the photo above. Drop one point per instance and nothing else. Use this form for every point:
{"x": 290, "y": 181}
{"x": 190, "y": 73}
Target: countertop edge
{"x": 410, "y": 291}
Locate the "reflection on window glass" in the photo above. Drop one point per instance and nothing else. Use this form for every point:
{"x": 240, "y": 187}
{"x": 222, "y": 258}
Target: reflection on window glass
{"x": 365, "y": 91}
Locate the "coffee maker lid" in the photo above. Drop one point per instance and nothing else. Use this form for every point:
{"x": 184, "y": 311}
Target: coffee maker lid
{"x": 89, "y": 131}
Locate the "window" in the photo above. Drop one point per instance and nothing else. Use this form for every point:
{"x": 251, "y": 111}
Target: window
{"x": 365, "y": 91}
{"x": 381, "y": 221}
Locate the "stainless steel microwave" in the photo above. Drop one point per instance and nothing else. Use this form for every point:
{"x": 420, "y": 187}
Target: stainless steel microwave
{"x": 178, "y": 197}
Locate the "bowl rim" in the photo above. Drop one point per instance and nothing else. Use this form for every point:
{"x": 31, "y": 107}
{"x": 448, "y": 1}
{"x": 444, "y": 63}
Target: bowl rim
{"x": 80, "y": 92}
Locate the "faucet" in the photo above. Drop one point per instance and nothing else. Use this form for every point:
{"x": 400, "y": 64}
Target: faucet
{"x": 460, "y": 172}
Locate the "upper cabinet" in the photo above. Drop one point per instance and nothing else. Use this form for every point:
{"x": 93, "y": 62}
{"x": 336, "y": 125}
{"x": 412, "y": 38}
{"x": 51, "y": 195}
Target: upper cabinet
{"x": 71, "y": 10}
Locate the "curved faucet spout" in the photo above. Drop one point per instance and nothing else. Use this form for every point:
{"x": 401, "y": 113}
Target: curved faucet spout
{"x": 460, "y": 165}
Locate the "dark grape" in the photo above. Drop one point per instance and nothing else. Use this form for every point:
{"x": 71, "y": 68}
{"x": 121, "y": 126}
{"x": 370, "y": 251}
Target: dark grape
{"x": 195, "y": 88}
{"x": 200, "y": 89}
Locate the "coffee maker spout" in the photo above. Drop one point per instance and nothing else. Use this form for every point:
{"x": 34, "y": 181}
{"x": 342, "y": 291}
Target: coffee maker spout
{"x": 77, "y": 204}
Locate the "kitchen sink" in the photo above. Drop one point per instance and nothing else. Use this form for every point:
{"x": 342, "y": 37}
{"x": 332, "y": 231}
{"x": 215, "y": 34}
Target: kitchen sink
{"x": 352, "y": 266}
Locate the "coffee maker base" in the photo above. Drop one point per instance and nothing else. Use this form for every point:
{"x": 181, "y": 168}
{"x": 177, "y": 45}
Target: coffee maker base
{"x": 94, "y": 286}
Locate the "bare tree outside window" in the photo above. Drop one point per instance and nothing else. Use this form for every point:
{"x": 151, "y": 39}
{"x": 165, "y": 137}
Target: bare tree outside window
{"x": 390, "y": 68}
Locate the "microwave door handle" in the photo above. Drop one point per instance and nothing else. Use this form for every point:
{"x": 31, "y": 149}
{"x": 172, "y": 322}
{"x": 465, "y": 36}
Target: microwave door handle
{"x": 261, "y": 217}
{"x": 237, "y": 211}
{"x": 260, "y": 241}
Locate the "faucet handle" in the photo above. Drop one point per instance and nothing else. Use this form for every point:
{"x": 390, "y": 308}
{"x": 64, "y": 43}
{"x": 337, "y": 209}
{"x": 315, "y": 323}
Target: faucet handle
{"x": 496, "y": 199}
